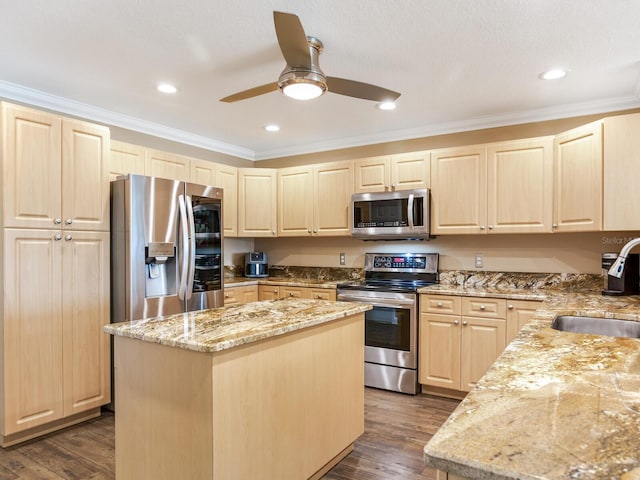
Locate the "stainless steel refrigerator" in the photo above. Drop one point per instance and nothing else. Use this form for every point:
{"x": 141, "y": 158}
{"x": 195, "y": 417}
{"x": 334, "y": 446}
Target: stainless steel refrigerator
{"x": 166, "y": 247}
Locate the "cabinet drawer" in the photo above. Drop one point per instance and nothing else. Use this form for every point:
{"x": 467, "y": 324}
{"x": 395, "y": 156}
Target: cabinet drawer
{"x": 448, "y": 304}
{"x": 320, "y": 293}
{"x": 291, "y": 292}
{"x": 484, "y": 307}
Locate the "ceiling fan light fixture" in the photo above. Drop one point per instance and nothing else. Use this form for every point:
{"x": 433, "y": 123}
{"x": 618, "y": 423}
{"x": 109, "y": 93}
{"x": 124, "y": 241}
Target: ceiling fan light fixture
{"x": 303, "y": 89}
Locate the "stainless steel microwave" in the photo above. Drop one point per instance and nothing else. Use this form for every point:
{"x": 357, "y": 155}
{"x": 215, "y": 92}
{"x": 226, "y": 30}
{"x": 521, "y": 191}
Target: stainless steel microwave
{"x": 398, "y": 215}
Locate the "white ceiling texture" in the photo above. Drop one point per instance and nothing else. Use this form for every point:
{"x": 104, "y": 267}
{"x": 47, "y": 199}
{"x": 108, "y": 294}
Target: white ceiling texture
{"x": 459, "y": 65}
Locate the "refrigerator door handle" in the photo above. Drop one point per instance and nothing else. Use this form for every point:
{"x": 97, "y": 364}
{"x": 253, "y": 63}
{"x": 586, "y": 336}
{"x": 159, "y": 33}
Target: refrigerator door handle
{"x": 192, "y": 248}
{"x": 184, "y": 230}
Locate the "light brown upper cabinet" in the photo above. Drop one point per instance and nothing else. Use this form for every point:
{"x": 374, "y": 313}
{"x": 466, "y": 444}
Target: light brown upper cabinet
{"x": 621, "y": 172}
{"x": 495, "y": 188}
{"x": 222, "y": 176}
{"x": 166, "y": 165}
{"x": 257, "y": 202}
{"x": 125, "y": 158}
{"x": 315, "y": 199}
{"x": 56, "y": 171}
{"x": 407, "y": 171}
{"x": 577, "y": 176}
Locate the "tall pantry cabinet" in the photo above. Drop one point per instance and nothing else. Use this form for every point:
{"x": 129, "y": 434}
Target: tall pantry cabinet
{"x": 54, "y": 356}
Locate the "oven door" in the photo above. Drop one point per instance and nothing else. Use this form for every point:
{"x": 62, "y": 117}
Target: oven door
{"x": 391, "y": 327}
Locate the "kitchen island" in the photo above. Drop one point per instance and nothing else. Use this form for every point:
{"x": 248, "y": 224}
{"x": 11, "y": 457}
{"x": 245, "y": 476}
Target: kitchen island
{"x": 267, "y": 390}
{"x": 554, "y": 405}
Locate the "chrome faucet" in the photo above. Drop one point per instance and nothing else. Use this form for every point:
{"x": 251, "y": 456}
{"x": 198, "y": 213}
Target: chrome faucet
{"x": 618, "y": 266}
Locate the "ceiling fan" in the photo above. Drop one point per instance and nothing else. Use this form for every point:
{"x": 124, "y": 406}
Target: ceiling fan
{"x": 302, "y": 78}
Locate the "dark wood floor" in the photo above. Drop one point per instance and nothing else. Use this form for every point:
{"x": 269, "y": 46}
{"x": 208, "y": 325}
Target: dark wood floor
{"x": 396, "y": 429}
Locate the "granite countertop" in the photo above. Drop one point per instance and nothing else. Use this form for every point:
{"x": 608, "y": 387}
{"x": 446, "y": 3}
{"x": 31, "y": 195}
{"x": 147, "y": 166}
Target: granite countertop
{"x": 227, "y": 327}
{"x": 280, "y": 281}
{"x": 554, "y": 404}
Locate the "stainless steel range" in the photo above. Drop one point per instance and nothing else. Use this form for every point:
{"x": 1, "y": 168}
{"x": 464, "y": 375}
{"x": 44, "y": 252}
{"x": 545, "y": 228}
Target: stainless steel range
{"x": 391, "y": 328}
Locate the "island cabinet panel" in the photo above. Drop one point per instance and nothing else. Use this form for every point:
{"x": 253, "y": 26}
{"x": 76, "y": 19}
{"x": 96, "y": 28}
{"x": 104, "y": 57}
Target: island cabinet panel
{"x": 187, "y": 414}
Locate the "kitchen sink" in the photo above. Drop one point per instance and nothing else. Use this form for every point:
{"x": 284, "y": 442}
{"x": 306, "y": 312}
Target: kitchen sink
{"x": 597, "y": 326}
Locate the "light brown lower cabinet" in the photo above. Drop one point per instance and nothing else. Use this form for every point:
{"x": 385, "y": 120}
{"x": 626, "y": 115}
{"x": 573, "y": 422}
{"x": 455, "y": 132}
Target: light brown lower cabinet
{"x": 459, "y": 345}
{"x": 55, "y": 366}
{"x": 519, "y": 312}
{"x": 240, "y": 295}
{"x": 274, "y": 292}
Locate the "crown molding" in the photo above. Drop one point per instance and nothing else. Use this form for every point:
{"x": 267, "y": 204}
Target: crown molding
{"x": 37, "y": 98}
{"x": 477, "y": 123}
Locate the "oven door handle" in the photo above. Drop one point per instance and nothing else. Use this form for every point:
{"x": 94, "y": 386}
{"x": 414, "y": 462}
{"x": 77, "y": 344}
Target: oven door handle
{"x": 394, "y": 303}
{"x": 410, "y": 210}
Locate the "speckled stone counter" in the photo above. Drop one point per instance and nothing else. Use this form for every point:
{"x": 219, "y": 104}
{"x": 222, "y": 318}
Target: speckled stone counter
{"x": 280, "y": 281}
{"x": 226, "y": 327}
{"x": 555, "y": 404}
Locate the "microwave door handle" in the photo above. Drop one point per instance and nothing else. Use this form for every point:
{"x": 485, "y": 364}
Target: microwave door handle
{"x": 410, "y": 210}
{"x": 184, "y": 230}
{"x": 192, "y": 248}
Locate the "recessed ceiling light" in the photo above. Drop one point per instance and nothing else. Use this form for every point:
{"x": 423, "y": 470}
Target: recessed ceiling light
{"x": 553, "y": 74}
{"x": 387, "y": 105}
{"x": 167, "y": 88}
{"x": 272, "y": 128}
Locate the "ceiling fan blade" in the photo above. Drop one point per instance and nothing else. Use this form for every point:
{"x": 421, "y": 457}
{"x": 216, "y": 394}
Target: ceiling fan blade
{"x": 292, "y": 39}
{"x": 252, "y": 92}
{"x": 366, "y": 91}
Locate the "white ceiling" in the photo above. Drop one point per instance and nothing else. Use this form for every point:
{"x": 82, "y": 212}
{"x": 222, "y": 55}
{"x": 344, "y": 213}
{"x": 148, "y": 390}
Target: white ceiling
{"x": 459, "y": 64}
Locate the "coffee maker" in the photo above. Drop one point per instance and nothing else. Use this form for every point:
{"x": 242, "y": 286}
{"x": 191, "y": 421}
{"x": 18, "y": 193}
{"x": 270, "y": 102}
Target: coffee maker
{"x": 629, "y": 283}
{"x": 255, "y": 265}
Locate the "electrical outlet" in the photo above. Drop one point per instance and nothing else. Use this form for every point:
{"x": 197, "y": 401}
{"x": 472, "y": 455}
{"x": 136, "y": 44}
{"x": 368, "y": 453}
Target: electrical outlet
{"x": 343, "y": 259}
{"x": 479, "y": 260}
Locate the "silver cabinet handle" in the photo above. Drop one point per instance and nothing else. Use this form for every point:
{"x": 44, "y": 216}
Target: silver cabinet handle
{"x": 490, "y": 227}
{"x": 273, "y": 232}
{"x": 481, "y": 227}
{"x": 68, "y": 237}
{"x": 439, "y": 305}
{"x": 510, "y": 307}
{"x": 57, "y": 237}
{"x": 393, "y": 186}
{"x": 554, "y": 225}
{"x": 482, "y": 307}
{"x": 319, "y": 296}
{"x": 68, "y": 221}
{"x": 315, "y": 231}
{"x": 226, "y": 295}
{"x": 465, "y": 323}
{"x": 291, "y": 294}
{"x": 308, "y": 230}
{"x": 456, "y": 322}
{"x": 57, "y": 221}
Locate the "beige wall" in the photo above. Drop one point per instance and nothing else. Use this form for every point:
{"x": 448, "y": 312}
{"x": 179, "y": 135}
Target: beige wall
{"x": 553, "y": 253}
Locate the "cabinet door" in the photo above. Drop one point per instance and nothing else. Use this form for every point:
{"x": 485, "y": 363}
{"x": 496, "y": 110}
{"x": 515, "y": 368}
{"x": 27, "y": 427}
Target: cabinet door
{"x": 519, "y": 312}
{"x": 621, "y": 172}
{"x": 410, "y": 171}
{"x": 32, "y": 167}
{"x": 166, "y": 165}
{"x": 439, "y": 351}
{"x": 459, "y": 190}
{"x": 86, "y": 348}
{"x": 295, "y": 202}
{"x": 85, "y": 176}
{"x": 202, "y": 172}
{"x": 125, "y": 158}
{"x": 268, "y": 292}
{"x": 372, "y": 174}
{"x": 520, "y": 186}
{"x": 577, "y": 199}
{"x": 32, "y": 336}
{"x": 257, "y": 202}
{"x": 227, "y": 179}
{"x": 333, "y": 186}
{"x": 483, "y": 340}
{"x": 240, "y": 295}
